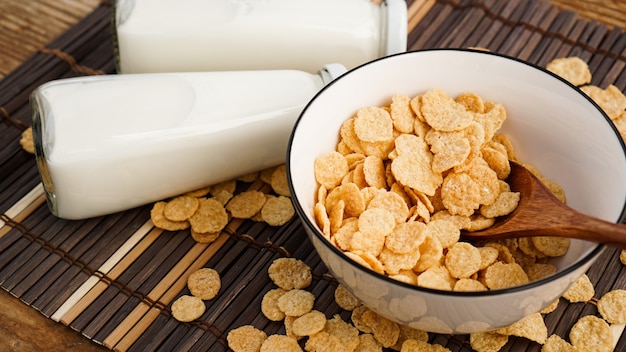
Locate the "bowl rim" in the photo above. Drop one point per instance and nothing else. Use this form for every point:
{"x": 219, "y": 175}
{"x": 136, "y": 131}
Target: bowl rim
{"x": 303, "y": 215}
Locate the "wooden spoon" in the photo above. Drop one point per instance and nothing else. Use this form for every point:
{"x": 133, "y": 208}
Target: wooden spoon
{"x": 540, "y": 213}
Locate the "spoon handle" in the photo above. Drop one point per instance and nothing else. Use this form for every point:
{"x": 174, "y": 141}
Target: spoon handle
{"x": 586, "y": 227}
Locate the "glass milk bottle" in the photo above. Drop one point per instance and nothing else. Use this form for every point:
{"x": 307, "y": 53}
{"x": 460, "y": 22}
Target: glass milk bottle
{"x": 215, "y": 35}
{"x": 110, "y": 143}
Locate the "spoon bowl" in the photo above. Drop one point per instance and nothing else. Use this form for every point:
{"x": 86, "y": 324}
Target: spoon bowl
{"x": 541, "y": 213}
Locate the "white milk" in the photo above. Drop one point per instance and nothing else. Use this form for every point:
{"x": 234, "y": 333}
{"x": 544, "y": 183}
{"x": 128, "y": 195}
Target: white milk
{"x": 214, "y": 35}
{"x": 110, "y": 143}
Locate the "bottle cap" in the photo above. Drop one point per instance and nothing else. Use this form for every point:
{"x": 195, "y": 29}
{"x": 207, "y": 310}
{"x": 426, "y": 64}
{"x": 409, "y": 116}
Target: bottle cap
{"x": 394, "y": 27}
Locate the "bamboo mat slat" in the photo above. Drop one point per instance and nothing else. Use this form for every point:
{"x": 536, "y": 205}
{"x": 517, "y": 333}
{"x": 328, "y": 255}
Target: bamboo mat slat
{"x": 113, "y": 278}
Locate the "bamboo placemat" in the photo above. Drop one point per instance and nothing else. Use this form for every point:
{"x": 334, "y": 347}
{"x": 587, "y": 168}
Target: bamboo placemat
{"x": 113, "y": 278}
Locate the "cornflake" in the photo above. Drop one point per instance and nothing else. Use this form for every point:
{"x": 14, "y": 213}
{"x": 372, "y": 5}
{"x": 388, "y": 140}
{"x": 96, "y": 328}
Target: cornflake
{"x": 373, "y": 124}
{"x": 279, "y": 181}
{"x": 210, "y": 216}
{"x": 504, "y": 275}
{"x": 181, "y": 208}
{"x": 246, "y": 204}
{"x": 367, "y": 343}
{"x": 409, "y": 333}
{"x": 463, "y": 260}
{"x": 26, "y": 140}
{"x": 295, "y": 302}
{"x": 269, "y": 304}
{"x": 290, "y": 273}
{"x": 309, "y": 323}
{"x": 591, "y": 333}
{"x": 488, "y": 341}
{"x": 346, "y": 300}
{"x": 572, "y": 69}
{"x": 188, "y": 308}
{"x": 324, "y": 342}
{"x": 161, "y": 221}
{"x": 384, "y": 330}
{"x": 551, "y": 246}
{"x": 581, "y": 291}
{"x": 612, "y": 306}
{"x": 277, "y": 211}
{"x": 245, "y": 338}
{"x": 531, "y": 327}
{"x": 555, "y": 343}
{"x": 204, "y": 283}
{"x": 281, "y": 343}
{"x": 346, "y": 333}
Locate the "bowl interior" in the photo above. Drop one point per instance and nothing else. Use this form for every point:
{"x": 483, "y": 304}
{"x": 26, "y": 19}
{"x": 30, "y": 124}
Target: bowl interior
{"x": 552, "y": 124}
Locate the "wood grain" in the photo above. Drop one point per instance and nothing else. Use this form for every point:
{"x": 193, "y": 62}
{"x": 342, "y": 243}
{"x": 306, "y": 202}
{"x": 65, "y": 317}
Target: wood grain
{"x": 26, "y": 25}
{"x": 611, "y": 12}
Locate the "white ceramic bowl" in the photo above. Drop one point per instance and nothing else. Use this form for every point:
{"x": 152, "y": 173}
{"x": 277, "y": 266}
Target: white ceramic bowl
{"x": 553, "y": 126}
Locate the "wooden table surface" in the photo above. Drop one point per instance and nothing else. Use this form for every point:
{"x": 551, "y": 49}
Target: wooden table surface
{"x": 26, "y": 26}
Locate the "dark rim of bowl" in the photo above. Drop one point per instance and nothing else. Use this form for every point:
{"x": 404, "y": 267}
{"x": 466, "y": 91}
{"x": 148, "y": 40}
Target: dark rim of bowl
{"x": 304, "y": 215}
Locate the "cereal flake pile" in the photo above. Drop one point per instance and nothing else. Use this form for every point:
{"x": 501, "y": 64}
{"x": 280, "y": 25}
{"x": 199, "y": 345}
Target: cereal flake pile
{"x": 407, "y": 178}
{"x": 207, "y": 211}
{"x": 307, "y": 329}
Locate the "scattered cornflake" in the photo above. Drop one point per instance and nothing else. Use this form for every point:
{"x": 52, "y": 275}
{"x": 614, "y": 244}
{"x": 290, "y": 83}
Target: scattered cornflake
{"x": 296, "y": 302}
{"x": 277, "y": 211}
{"x": 204, "y": 283}
{"x": 622, "y": 256}
{"x": 551, "y": 307}
{"x": 357, "y": 319}
{"x": 582, "y": 290}
{"x": 281, "y": 343}
{"x": 246, "y": 204}
{"x": 421, "y": 346}
{"x": 610, "y": 99}
{"x": 555, "y": 343}
{"x": 228, "y": 186}
{"x": 324, "y": 342}
{"x": 409, "y": 333}
{"x": 188, "y": 308}
{"x": 612, "y": 306}
{"x": 591, "y": 334}
{"x": 367, "y": 343}
{"x": 245, "y": 338}
{"x": 384, "y": 330}
{"x": 573, "y": 69}
{"x": 309, "y": 323}
{"x": 181, "y": 208}
{"x": 159, "y": 220}
{"x": 207, "y": 237}
{"x": 290, "y": 273}
{"x": 279, "y": 181}
{"x": 532, "y": 327}
{"x": 346, "y": 300}
{"x": 269, "y": 304}
{"x": 347, "y": 334}
{"x": 26, "y": 140}
{"x": 210, "y": 216}
{"x": 488, "y": 341}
